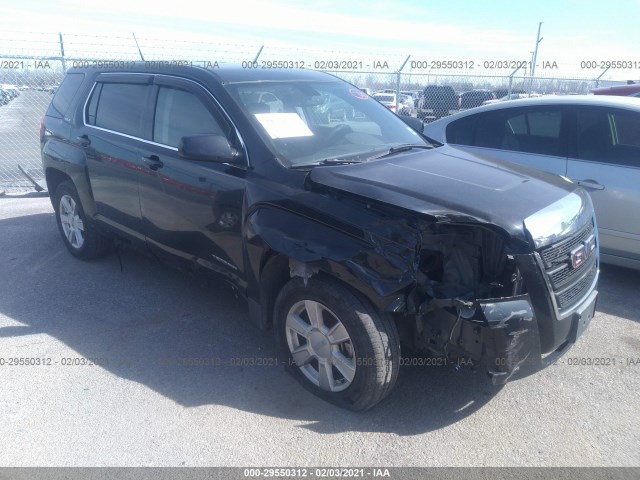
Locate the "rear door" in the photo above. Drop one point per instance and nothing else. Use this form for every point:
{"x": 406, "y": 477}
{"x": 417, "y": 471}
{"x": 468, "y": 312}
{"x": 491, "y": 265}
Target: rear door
{"x": 113, "y": 136}
{"x": 536, "y": 137}
{"x": 606, "y": 162}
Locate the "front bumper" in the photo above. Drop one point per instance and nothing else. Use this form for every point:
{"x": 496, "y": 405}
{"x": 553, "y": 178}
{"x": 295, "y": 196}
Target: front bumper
{"x": 506, "y": 339}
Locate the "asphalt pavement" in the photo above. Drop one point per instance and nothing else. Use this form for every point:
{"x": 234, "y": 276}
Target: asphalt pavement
{"x": 126, "y": 362}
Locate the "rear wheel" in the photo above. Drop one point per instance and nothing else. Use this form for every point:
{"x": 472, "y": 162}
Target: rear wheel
{"x": 80, "y": 236}
{"x": 335, "y": 343}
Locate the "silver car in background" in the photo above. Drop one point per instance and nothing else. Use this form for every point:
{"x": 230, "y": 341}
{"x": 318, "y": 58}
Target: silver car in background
{"x": 593, "y": 141}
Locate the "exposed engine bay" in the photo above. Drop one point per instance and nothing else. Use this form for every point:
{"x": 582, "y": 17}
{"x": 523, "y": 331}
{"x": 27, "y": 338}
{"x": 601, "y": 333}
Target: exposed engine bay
{"x": 467, "y": 281}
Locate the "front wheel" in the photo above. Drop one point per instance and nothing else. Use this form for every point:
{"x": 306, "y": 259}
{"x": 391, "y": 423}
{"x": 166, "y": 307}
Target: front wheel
{"x": 335, "y": 343}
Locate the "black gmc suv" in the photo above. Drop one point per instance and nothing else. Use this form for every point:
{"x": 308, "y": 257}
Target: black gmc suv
{"x": 348, "y": 235}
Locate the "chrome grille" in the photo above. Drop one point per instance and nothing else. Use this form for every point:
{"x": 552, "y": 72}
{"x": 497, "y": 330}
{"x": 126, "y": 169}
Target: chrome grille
{"x": 568, "y": 297}
{"x": 569, "y": 285}
{"x": 563, "y": 274}
{"x": 559, "y": 252}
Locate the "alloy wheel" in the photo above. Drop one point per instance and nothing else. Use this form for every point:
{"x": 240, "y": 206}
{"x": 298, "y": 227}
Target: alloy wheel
{"x": 72, "y": 224}
{"x": 320, "y": 346}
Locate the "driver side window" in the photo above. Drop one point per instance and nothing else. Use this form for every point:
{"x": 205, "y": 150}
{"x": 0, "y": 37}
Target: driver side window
{"x": 180, "y": 113}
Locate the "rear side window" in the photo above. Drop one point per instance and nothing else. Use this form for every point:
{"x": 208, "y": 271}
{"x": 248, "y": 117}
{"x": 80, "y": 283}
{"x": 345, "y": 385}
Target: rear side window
{"x": 120, "y": 107}
{"x": 537, "y": 131}
{"x": 180, "y": 113}
{"x": 518, "y": 125}
{"x": 461, "y": 132}
{"x": 67, "y": 92}
{"x": 544, "y": 123}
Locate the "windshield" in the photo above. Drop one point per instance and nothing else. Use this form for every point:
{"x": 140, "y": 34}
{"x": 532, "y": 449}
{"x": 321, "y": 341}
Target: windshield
{"x": 308, "y": 122}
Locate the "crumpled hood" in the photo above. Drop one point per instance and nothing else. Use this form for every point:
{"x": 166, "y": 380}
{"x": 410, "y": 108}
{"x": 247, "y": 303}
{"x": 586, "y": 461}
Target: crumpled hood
{"x": 452, "y": 185}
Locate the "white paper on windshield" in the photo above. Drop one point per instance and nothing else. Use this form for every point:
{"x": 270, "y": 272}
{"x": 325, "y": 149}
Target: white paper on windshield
{"x": 284, "y": 125}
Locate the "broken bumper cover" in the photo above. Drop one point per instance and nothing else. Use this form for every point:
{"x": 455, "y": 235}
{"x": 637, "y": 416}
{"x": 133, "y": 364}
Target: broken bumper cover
{"x": 510, "y": 336}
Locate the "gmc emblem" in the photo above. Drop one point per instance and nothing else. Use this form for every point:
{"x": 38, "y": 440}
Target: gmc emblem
{"x": 580, "y": 254}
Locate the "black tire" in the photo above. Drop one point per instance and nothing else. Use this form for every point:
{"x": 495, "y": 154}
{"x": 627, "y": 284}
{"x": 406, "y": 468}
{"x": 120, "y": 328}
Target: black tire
{"x": 373, "y": 346}
{"x": 93, "y": 244}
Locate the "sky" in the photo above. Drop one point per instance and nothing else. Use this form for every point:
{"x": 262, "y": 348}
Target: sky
{"x": 573, "y": 31}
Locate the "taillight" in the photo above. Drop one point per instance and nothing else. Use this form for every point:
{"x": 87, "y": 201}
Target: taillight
{"x": 42, "y": 129}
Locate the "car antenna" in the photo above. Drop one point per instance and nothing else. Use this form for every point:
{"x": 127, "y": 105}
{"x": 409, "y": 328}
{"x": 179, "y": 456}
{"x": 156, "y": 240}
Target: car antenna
{"x": 137, "y": 45}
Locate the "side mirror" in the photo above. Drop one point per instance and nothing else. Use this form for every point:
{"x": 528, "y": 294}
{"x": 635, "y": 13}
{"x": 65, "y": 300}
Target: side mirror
{"x": 413, "y": 122}
{"x": 209, "y": 147}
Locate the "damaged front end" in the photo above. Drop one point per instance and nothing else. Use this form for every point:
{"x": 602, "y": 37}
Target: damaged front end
{"x": 500, "y": 335}
{"x": 502, "y": 277}
{"x": 508, "y": 308}
{"x": 472, "y": 301}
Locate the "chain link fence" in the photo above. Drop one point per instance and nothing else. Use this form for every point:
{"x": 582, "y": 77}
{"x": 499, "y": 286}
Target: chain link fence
{"x": 32, "y": 65}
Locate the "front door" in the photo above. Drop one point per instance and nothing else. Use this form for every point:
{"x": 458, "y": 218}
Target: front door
{"x": 192, "y": 209}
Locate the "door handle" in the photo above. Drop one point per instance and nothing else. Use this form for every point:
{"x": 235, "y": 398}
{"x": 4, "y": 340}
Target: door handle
{"x": 83, "y": 140}
{"x": 153, "y": 162}
{"x": 590, "y": 184}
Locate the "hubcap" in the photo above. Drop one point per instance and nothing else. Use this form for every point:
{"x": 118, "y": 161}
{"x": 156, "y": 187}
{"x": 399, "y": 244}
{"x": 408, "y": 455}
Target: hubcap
{"x": 72, "y": 224}
{"x": 320, "y": 346}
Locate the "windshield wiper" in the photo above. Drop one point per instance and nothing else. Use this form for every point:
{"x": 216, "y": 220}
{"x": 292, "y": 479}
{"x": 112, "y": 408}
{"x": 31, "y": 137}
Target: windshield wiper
{"x": 402, "y": 148}
{"x": 327, "y": 161}
{"x": 347, "y": 161}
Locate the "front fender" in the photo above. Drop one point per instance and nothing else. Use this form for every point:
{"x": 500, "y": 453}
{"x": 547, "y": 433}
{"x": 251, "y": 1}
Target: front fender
{"x": 380, "y": 269}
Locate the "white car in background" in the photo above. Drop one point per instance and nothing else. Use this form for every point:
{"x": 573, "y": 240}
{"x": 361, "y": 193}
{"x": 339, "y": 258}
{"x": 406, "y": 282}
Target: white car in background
{"x": 12, "y": 90}
{"x": 386, "y": 99}
{"x": 403, "y": 106}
